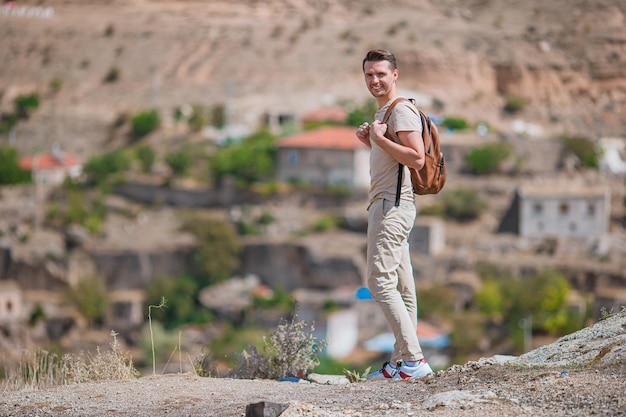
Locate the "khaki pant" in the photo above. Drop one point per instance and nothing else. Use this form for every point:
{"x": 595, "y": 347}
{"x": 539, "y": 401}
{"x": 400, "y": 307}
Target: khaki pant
{"x": 390, "y": 273}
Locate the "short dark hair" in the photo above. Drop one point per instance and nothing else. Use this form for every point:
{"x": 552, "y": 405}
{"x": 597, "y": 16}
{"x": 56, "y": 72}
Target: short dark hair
{"x": 380, "y": 55}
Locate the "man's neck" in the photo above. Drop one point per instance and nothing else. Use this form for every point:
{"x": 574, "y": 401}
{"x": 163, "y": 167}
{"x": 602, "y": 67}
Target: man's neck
{"x": 382, "y": 100}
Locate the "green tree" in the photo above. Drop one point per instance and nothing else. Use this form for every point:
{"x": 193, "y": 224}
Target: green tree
{"x": 486, "y": 159}
{"x": 7, "y": 122}
{"x": 463, "y": 204}
{"x": 586, "y": 151}
{"x": 514, "y": 104}
{"x": 144, "y": 122}
{"x": 10, "y": 171}
{"x": 25, "y": 103}
{"x": 90, "y": 298}
{"x": 180, "y": 161}
{"x": 455, "y": 123}
{"x": 218, "y": 115}
{"x": 100, "y": 167}
{"x": 217, "y": 253}
{"x": 146, "y": 156}
{"x": 182, "y": 301}
{"x": 249, "y": 161}
{"x": 365, "y": 113}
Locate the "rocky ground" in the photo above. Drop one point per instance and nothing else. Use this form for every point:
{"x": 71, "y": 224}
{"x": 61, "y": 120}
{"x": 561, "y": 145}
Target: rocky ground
{"x": 581, "y": 374}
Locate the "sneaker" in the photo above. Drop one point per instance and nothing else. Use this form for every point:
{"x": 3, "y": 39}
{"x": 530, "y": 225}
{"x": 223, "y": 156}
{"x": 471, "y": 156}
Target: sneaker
{"x": 419, "y": 370}
{"x": 387, "y": 373}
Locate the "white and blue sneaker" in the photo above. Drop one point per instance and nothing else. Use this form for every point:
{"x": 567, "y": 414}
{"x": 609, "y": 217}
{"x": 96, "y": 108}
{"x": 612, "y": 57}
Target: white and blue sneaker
{"x": 419, "y": 370}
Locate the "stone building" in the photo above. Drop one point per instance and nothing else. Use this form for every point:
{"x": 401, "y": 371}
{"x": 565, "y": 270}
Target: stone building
{"x": 558, "y": 209}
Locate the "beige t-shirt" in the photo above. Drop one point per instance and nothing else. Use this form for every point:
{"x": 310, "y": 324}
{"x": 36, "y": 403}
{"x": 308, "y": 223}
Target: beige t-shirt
{"x": 383, "y": 167}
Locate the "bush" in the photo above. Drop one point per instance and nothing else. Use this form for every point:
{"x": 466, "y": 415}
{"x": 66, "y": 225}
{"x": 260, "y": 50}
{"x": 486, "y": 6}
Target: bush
{"x": 365, "y": 113}
{"x": 325, "y": 223}
{"x": 250, "y": 161}
{"x": 10, "y": 171}
{"x": 463, "y": 204}
{"x": 455, "y": 123}
{"x": 584, "y": 149}
{"x": 290, "y": 351}
{"x": 218, "y": 115}
{"x": 100, "y": 167}
{"x": 112, "y": 76}
{"x": 217, "y": 254}
{"x": 486, "y": 159}
{"x": 146, "y": 156}
{"x": 24, "y": 104}
{"x": 514, "y": 104}
{"x": 179, "y": 161}
{"x": 182, "y": 301}
{"x": 144, "y": 123}
{"x": 542, "y": 296}
{"x": 7, "y": 122}
{"x": 90, "y": 298}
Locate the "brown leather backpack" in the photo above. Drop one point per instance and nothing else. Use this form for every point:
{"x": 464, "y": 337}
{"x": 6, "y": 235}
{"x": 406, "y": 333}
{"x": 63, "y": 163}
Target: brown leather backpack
{"x": 432, "y": 177}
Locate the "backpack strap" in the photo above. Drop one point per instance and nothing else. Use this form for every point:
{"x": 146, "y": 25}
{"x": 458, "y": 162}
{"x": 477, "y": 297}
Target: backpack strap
{"x": 400, "y": 166}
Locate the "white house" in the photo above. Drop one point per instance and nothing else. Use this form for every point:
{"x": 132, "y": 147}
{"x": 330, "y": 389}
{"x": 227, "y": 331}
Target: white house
{"x": 559, "y": 209}
{"x": 51, "y": 168}
{"x": 330, "y": 155}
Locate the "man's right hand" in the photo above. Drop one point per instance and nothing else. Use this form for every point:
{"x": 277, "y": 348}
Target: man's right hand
{"x": 363, "y": 134}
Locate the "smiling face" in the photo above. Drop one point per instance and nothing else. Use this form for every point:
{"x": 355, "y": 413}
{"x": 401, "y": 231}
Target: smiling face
{"x": 380, "y": 79}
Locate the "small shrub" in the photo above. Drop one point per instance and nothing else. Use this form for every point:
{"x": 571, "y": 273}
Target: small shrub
{"x": 109, "y": 30}
{"x": 56, "y": 84}
{"x": 218, "y": 115}
{"x": 584, "y": 149}
{"x": 455, "y": 123}
{"x": 10, "y": 171}
{"x": 355, "y": 376}
{"x": 112, "y": 76}
{"x": 436, "y": 210}
{"x": 90, "y": 298}
{"x": 147, "y": 157}
{"x": 514, "y": 105}
{"x": 100, "y": 167}
{"x": 325, "y": 223}
{"x": 290, "y": 351}
{"x": 144, "y": 123}
{"x": 217, "y": 254}
{"x": 204, "y": 365}
{"x": 179, "y": 161}
{"x": 7, "y": 122}
{"x": 463, "y": 204}
{"x": 24, "y": 104}
{"x": 198, "y": 118}
{"x": 486, "y": 159}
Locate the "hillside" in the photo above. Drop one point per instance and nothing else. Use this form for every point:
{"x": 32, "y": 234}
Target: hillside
{"x": 582, "y": 374}
{"x": 565, "y": 59}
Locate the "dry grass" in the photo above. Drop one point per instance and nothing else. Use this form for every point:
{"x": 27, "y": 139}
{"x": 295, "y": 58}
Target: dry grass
{"x": 42, "y": 369}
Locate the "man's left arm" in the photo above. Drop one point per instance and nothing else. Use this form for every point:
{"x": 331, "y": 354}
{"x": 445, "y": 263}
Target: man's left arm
{"x": 410, "y": 150}
{"x": 412, "y": 140}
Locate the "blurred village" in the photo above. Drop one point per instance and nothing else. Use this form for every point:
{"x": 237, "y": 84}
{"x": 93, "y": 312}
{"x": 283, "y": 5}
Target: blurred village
{"x": 210, "y": 229}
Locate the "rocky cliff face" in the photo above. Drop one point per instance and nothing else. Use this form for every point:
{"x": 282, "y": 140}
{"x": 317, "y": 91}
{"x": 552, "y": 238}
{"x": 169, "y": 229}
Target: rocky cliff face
{"x": 565, "y": 59}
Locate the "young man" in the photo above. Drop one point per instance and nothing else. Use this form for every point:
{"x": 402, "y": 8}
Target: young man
{"x": 390, "y": 273}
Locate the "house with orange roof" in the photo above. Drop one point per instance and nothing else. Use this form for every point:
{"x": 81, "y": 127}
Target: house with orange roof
{"x": 330, "y": 155}
{"x": 51, "y": 168}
